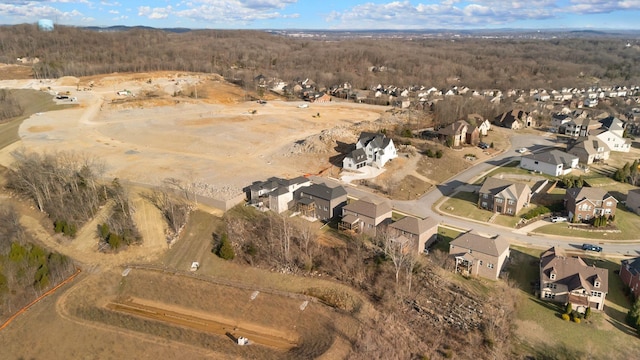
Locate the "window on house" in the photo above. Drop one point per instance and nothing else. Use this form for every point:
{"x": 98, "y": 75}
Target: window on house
{"x": 499, "y": 200}
{"x": 509, "y": 211}
{"x": 549, "y": 296}
{"x": 552, "y": 276}
{"x": 490, "y": 265}
{"x": 609, "y": 203}
{"x": 486, "y": 196}
{"x": 511, "y": 202}
{"x": 596, "y": 284}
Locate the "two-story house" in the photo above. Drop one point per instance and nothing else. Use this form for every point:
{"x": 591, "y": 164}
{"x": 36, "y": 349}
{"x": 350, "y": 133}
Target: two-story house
{"x": 275, "y": 194}
{"x": 566, "y": 279}
{"x": 477, "y": 255}
{"x": 378, "y": 150}
{"x": 589, "y": 149}
{"x": 515, "y": 119}
{"x": 630, "y": 275}
{"x": 585, "y": 203}
{"x": 364, "y": 215}
{"x": 456, "y": 133}
{"x": 421, "y": 232}
{"x": 503, "y": 196}
{"x": 320, "y": 201}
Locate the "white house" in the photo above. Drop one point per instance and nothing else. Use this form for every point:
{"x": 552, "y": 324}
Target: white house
{"x": 613, "y": 141}
{"x": 377, "y": 148}
{"x": 552, "y": 162}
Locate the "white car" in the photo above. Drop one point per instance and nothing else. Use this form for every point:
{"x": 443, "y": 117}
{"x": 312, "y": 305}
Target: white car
{"x": 555, "y": 219}
{"x": 303, "y": 106}
{"x": 522, "y": 150}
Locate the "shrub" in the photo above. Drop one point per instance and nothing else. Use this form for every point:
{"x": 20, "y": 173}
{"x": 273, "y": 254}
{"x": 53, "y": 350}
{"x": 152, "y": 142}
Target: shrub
{"x": 565, "y": 317}
{"x": 407, "y": 133}
{"x": 587, "y": 313}
{"x": 569, "y": 309}
{"x": 576, "y": 320}
{"x": 225, "y": 250}
{"x": 438, "y": 154}
{"x": 536, "y": 212}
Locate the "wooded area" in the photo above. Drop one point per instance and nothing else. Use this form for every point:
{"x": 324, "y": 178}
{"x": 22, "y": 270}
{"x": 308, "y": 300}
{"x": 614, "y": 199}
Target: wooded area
{"x": 25, "y": 267}
{"x": 10, "y": 106}
{"x": 242, "y": 55}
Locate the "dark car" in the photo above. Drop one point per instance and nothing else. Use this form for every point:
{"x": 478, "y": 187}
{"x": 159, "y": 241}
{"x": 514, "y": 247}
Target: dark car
{"x": 591, "y": 247}
{"x": 483, "y": 145}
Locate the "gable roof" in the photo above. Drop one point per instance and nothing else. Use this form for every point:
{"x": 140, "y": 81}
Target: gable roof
{"x": 490, "y": 246}
{"x": 632, "y": 264}
{"x": 612, "y": 123}
{"x": 368, "y": 208}
{"x": 554, "y": 157}
{"x": 454, "y": 129}
{"x": 358, "y": 155}
{"x": 508, "y": 118}
{"x": 322, "y": 191}
{"x": 506, "y": 188}
{"x": 414, "y": 225}
{"x": 572, "y": 271}
{"x": 589, "y": 144}
{"x": 588, "y": 193}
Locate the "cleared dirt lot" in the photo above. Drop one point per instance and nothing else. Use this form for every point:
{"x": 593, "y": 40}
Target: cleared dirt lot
{"x": 217, "y": 141}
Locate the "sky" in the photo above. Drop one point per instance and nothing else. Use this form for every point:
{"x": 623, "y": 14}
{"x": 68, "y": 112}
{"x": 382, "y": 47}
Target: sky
{"x": 331, "y": 14}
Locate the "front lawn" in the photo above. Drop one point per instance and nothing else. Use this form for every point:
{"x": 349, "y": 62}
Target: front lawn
{"x": 541, "y": 331}
{"x": 627, "y": 222}
{"x": 464, "y": 204}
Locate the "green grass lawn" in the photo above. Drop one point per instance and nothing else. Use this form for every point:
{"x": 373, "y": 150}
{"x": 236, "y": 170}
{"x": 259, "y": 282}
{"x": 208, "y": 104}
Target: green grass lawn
{"x": 627, "y": 222}
{"x": 542, "y": 332}
{"x": 464, "y": 204}
{"x": 445, "y": 236}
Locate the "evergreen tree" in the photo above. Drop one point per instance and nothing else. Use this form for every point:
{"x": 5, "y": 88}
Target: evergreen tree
{"x": 633, "y": 316}
{"x": 225, "y": 250}
{"x": 568, "y": 309}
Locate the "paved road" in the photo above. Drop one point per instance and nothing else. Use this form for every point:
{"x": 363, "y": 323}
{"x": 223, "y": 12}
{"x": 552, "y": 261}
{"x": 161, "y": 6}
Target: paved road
{"x": 423, "y": 207}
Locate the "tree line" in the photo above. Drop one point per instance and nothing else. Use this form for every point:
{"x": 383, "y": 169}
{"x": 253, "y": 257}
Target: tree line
{"x": 242, "y": 55}
{"x": 10, "y": 106}
{"x": 26, "y": 269}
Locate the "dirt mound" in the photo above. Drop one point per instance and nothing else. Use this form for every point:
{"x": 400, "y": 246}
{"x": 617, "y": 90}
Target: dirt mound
{"x": 68, "y": 81}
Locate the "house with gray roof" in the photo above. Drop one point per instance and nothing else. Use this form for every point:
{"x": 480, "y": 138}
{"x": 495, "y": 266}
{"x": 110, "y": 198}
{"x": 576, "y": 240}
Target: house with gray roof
{"x": 421, "y": 232}
{"x": 364, "y": 215}
{"x": 589, "y": 149}
{"x": 378, "y": 149}
{"x": 477, "y": 255}
{"x": 320, "y": 201}
{"x": 567, "y": 279}
{"x": 633, "y": 201}
{"x": 275, "y": 193}
{"x": 585, "y": 203}
{"x": 550, "y": 162}
{"x": 503, "y": 196}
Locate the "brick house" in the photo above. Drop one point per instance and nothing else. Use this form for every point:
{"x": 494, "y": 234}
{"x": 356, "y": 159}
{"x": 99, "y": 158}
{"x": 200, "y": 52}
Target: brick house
{"x": 503, "y": 196}
{"x": 630, "y": 275}
{"x": 566, "y": 279}
{"x": 585, "y": 203}
{"x": 477, "y": 255}
{"x": 455, "y": 133}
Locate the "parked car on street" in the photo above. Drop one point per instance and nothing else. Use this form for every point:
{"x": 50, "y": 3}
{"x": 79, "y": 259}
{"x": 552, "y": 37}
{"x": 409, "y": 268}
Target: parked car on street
{"x": 591, "y": 247}
{"x": 522, "y": 150}
{"x": 483, "y": 146}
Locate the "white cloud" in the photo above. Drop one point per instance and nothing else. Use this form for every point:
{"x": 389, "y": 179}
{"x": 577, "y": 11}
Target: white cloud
{"x": 466, "y": 13}
{"x": 234, "y": 11}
